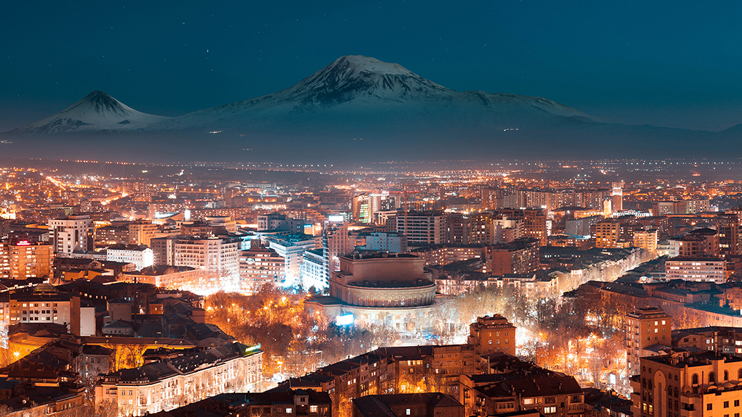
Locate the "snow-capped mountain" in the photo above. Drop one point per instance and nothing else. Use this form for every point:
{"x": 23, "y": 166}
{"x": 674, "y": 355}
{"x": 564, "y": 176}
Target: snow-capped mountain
{"x": 359, "y": 108}
{"x": 96, "y": 112}
{"x": 358, "y": 91}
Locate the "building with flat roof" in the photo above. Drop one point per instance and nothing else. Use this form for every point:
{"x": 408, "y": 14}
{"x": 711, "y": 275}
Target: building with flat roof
{"x": 492, "y": 334}
{"x": 699, "y": 269}
{"x": 646, "y": 327}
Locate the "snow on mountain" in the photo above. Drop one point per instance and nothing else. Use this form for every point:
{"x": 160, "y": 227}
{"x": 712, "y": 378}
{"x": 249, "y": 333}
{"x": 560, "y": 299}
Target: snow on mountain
{"x": 363, "y": 90}
{"x": 96, "y": 112}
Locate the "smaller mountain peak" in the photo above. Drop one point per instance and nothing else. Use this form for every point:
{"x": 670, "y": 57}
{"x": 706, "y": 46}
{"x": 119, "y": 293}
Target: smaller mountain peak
{"x": 101, "y": 101}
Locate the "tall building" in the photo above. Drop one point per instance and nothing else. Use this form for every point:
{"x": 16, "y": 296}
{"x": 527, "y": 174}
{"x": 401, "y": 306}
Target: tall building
{"x": 728, "y": 228}
{"x": 214, "y": 255}
{"x": 699, "y": 242}
{"x": 607, "y": 233}
{"x": 535, "y": 223}
{"x": 646, "y": 239}
{"x": 492, "y": 334}
{"x": 277, "y": 221}
{"x": 617, "y": 197}
{"x": 581, "y": 226}
{"x": 336, "y": 242}
{"x": 313, "y": 271}
{"x": 72, "y": 234}
{"x": 259, "y": 266}
{"x": 141, "y": 232}
{"x": 425, "y": 228}
{"x": 22, "y": 260}
{"x": 291, "y": 248}
{"x": 645, "y": 327}
{"x": 517, "y": 257}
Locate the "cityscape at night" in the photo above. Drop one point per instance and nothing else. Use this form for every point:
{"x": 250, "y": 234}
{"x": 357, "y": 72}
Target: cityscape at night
{"x": 383, "y": 209}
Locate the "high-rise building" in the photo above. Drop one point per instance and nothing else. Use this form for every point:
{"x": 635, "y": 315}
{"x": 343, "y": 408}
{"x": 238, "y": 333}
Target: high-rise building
{"x": 259, "y": 266}
{"x": 336, "y": 242}
{"x": 313, "y": 271}
{"x": 214, "y": 255}
{"x": 699, "y": 242}
{"x": 645, "y": 327}
{"x": 72, "y": 234}
{"x": 291, "y": 248}
{"x": 517, "y": 257}
{"x": 22, "y": 260}
{"x": 728, "y": 228}
{"x": 617, "y": 197}
{"x": 607, "y": 233}
{"x": 425, "y": 227}
{"x": 646, "y": 239}
{"x": 141, "y": 232}
{"x": 277, "y": 221}
{"x": 535, "y": 222}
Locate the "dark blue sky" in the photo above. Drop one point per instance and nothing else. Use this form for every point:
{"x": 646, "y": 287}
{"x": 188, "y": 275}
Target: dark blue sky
{"x": 668, "y": 63}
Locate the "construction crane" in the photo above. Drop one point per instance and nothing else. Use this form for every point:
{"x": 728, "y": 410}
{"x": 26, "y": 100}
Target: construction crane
{"x": 404, "y": 193}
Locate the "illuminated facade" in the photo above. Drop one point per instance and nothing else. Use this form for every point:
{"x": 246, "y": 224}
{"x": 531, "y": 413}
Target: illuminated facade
{"x": 492, "y": 334}
{"x": 259, "y": 266}
{"x": 645, "y": 327}
{"x": 72, "y": 234}
{"x": 23, "y": 260}
{"x": 699, "y": 269}
{"x": 687, "y": 384}
{"x": 291, "y": 248}
{"x": 607, "y": 234}
{"x": 646, "y": 239}
{"x": 175, "y": 382}
{"x": 139, "y": 255}
{"x": 425, "y": 228}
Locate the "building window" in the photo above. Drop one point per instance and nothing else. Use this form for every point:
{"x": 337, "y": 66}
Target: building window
{"x": 709, "y": 407}
{"x": 549, "y": 410}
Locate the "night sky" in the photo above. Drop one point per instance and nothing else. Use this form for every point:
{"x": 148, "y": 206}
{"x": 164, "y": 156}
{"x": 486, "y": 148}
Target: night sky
{"x": 668, "y": 63}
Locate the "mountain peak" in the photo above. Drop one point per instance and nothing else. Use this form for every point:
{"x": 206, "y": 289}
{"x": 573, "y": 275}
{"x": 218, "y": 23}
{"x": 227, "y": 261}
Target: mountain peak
{"x": 355, "y": 77}
{"x": 362, "y": 63}
{"x": 97, "y": 111}
{"x": 100, "y": 102}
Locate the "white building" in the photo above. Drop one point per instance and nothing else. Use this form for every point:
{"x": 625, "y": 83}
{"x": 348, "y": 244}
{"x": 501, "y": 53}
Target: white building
{"x": 313, "y": 271}
{"x": 291, "y": 248}
{"x": 72, "y": 234}
{"x": 214, "y": 255}
{"x": 387, "y": 242}
{"x": 141, "y": 256}
{"x": 175, "y": 382}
